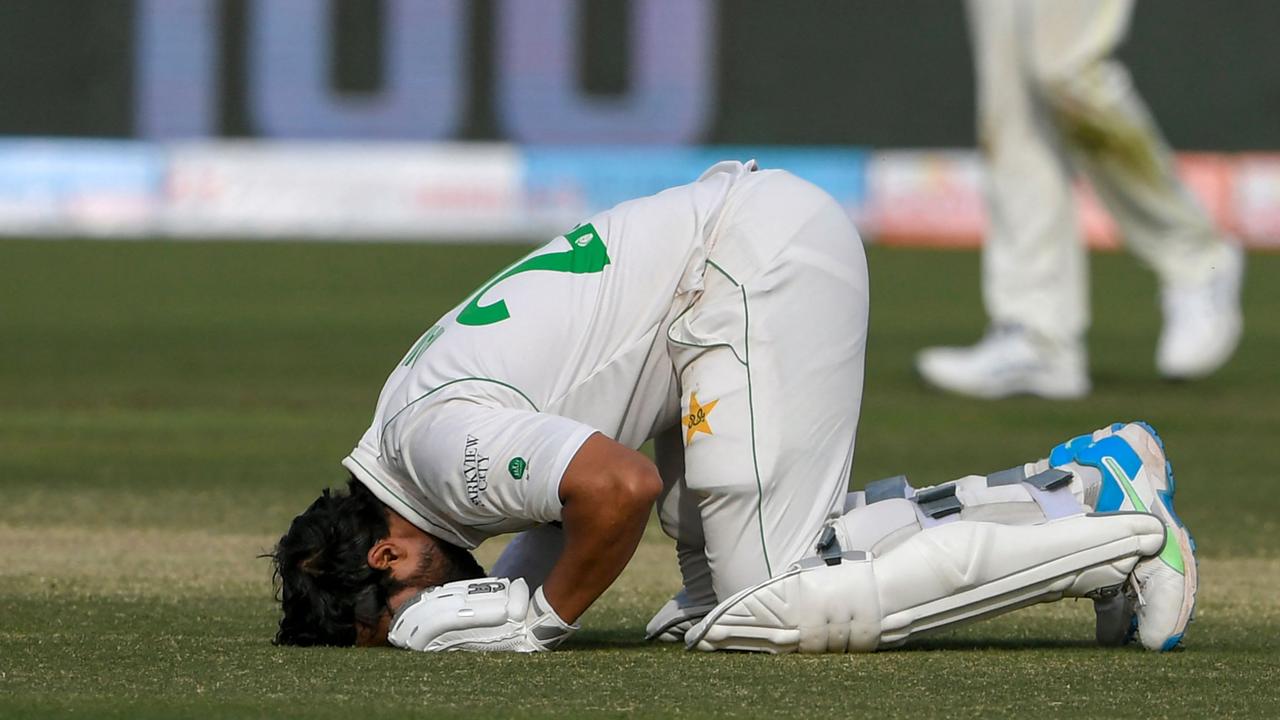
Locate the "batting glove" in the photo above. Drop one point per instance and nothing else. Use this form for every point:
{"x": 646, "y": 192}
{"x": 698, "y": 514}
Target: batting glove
{"x": 483, "y": 615}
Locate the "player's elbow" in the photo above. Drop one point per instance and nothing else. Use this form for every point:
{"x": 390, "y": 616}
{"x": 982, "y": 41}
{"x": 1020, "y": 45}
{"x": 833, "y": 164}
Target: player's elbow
{"x": 610, "y": 483}
{"x": 634, "y": 486}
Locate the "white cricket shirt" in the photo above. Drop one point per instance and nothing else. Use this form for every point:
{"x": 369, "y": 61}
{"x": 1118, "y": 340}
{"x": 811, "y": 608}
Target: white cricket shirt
{"x": 477, "y": 423}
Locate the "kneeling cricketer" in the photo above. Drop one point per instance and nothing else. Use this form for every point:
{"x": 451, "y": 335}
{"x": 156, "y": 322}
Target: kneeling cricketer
{"x": 726, "y": 320}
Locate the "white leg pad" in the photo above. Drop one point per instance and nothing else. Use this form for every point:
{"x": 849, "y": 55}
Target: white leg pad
{"x": 939, "y": 577}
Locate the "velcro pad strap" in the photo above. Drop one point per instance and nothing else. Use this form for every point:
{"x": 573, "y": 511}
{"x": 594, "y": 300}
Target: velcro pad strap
{"x": 1050, "y": 479}
{"x": 886, "y": 489}
{"x": 1011, "y": 476}
{"x": 829, "y": 546}
{"x": 938, "y": 502}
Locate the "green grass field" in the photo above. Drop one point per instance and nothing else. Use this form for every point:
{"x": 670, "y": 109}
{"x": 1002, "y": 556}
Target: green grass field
{"x": 165, "y": 409}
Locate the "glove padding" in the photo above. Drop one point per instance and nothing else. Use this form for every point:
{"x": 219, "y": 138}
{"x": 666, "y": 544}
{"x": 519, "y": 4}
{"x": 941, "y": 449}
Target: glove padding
{"x": 675, "y": 618}
{"x": 483, "y": 615}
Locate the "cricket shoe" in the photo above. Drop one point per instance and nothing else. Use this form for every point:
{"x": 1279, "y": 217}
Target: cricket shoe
{"x": 1202, "y": 322}
{"x": 1009, "y": 360}
{"x": 1137, "y": 477}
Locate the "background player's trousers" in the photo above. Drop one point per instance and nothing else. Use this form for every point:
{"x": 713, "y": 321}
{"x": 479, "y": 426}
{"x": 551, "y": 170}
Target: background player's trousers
{"x": 1050, "y": 95}
{"x": 770, "y": 365}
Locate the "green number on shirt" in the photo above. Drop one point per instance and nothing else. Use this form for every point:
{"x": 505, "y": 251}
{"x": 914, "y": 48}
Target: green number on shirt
{"x": 586, "y": 254}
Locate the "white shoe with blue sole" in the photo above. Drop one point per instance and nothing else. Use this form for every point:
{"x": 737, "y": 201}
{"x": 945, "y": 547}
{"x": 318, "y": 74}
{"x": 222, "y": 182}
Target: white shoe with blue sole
{"x": 1136, "y": 476}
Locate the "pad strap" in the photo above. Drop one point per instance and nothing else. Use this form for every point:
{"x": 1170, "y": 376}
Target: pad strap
{"x": 1051, "y": 489}
{"x": 890, "y": 510}
{"x": 939, "y": 502}
{"x": 887, "y": 489}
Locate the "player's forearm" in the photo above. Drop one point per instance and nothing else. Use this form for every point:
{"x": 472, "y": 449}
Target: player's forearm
{"x": 531, "y": 555}
{"x": 603, "y": 525}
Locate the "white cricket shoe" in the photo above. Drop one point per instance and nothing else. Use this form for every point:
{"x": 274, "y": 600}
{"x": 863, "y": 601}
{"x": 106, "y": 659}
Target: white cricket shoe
{"x": 1202, "y": 322}
{"x": 1136, "y": 476}
{"x": 1007, "y": 361}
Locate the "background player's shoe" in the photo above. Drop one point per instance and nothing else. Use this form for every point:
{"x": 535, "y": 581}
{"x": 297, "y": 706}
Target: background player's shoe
{"x": 1136, "y": 476}
{"x": 1202, "y": 322}
{"x": 1009, "y": 360}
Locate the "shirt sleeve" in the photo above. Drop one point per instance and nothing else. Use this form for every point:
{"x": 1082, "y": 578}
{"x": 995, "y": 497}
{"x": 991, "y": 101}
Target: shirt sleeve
{"x": 486, "y": 466}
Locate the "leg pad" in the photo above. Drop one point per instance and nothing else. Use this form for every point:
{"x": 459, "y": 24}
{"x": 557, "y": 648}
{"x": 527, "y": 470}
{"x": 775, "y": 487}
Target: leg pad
{"x": 941, "y": 576}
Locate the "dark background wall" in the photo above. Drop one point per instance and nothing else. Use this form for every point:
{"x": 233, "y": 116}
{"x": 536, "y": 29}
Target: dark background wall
{"x": 862, "y": 72}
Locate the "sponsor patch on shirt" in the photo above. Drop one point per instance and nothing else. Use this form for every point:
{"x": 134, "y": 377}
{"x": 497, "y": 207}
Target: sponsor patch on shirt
{"x": 475, "y": 470}
{"x": 516, "y": 467}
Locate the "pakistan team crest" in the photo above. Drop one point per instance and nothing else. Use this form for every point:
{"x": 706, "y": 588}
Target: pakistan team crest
{"x": 695, "y": 421}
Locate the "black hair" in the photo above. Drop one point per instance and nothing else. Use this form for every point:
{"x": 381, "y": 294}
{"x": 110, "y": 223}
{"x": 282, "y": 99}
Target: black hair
{"x": 323, "y": 579}
{"x": 324, "y": 583}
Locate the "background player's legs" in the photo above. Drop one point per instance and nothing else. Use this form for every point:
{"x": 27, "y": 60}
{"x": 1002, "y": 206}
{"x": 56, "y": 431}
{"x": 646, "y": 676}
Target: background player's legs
{"x": 1033, "y": 265}
{"x": 1110, "y": 131}
{"x": 770, "y": 361}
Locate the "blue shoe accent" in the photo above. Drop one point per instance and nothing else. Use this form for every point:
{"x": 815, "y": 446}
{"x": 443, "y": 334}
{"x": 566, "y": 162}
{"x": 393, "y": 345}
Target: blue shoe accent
{"x": 1066, "y": 452}
{"x": 1171, "y": 643}
{"x": 1112, "y": 494}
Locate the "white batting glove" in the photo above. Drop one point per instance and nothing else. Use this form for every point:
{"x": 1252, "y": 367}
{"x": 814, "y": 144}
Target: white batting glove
{"x": 484, "y": 615}
{"x": 675, "y": 618}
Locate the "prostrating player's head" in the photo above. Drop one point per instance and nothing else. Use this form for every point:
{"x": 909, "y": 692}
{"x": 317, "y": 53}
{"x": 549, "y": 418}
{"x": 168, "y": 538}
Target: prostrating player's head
{"x": 347, "y": 562}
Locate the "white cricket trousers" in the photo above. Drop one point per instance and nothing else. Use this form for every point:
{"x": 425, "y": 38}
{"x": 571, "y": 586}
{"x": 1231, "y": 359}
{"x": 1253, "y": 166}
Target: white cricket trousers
{"x": 1049, "y": 94}
{"x": 769, "y": 361}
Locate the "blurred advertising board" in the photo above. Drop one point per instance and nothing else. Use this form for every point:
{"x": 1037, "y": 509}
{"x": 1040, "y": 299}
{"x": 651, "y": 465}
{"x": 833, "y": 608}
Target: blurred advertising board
{"x": 927, "y": 197}
{"x": 466, "y": 192}
{"x": 352, "y": 191}
{"x": 342, "y": 190}
{"x": 1257, "y": 199}
{"x": 79, "y": 187}
{"x": 562, "y": 185}
{"x": 935, "y": 198}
